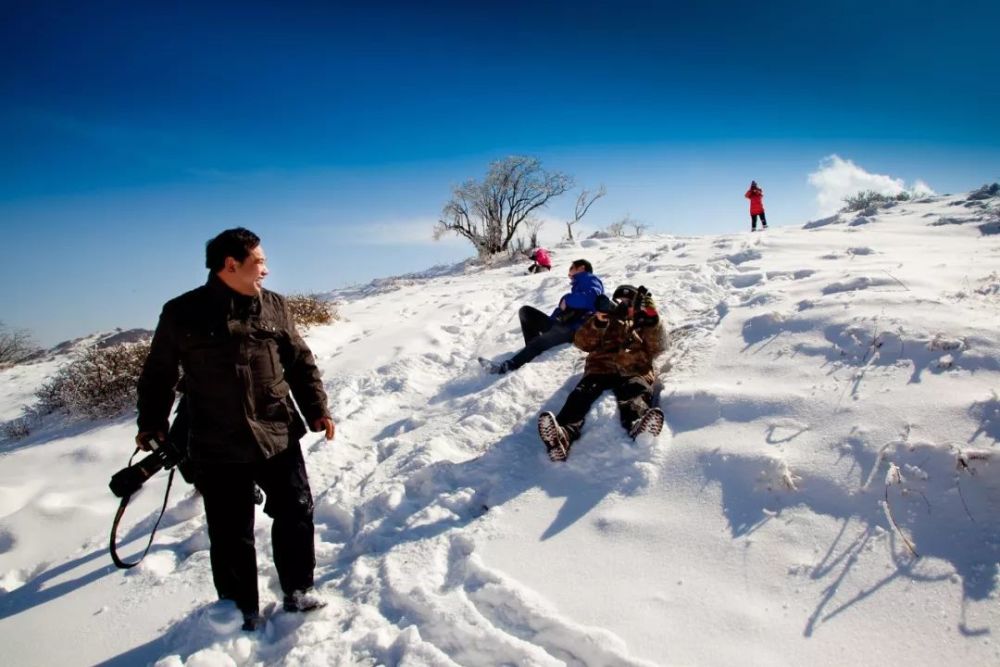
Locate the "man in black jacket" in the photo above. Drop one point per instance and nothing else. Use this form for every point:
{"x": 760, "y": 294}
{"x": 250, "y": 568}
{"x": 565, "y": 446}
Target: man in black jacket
{"x": 242, "y": 361}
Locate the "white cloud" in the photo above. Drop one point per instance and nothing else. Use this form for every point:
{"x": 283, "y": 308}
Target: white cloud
{"x": 418, "y": 231}
{"x": 837, "y": 178}
{"x": 921, "y": 189}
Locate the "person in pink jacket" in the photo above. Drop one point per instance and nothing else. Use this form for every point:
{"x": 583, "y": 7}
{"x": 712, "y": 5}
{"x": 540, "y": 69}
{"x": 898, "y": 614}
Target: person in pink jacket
{"x": 540, "y": 261}
{"x": 756, "y": 197}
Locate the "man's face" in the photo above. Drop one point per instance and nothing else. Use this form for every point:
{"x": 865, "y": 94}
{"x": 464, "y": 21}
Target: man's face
{"x": 246, "y": 277}
{"x": 573, "y": 270}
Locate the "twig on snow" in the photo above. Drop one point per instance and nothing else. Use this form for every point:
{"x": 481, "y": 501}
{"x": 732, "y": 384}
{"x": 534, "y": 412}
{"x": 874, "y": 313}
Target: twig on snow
{"x": 893, "y": 477}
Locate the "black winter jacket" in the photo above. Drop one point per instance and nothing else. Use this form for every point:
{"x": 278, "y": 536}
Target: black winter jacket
{"x": 240, "y": 357}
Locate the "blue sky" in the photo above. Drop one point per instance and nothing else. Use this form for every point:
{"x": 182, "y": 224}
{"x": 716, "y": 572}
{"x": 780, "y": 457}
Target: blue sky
{"x": 131, "y": 134}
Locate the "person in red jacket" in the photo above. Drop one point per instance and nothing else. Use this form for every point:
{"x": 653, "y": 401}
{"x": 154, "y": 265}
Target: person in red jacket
{"x": 756, "y": 197}
{"x": 540, "y": 261}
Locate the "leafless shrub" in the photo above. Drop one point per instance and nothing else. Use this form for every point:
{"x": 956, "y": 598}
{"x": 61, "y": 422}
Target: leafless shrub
{"x": 617, "y": 229}
{"x": 18, "y": 428}
{"x": 99, "y": 383}
{"x": 864, "y": 200}
{"x": 15, "y": 346}
{"x": 518, "y": 249}
{"x": 309, "y": 311}
{"x": 870, "y": 201}
{"x": 533, "y": 225}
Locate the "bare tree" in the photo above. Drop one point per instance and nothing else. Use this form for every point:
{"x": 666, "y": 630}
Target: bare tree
{"x": 15, "y": 345}
{"x": 488, "y": 214}
{"x": 618, "y": 228}
{"x": 583, "y": 203}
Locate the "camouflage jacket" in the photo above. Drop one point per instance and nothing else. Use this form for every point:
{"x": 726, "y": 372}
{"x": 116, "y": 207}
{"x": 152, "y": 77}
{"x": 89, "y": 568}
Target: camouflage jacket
{"x": 620, "y": 348}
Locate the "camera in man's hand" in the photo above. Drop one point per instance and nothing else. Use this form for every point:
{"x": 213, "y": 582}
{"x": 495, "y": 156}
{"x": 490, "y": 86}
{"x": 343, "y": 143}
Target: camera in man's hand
{"x": 128, "y": 480}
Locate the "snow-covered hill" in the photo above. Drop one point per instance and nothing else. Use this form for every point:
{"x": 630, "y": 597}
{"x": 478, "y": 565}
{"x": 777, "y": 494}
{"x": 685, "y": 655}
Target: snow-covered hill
{"x": 831, "y": 395}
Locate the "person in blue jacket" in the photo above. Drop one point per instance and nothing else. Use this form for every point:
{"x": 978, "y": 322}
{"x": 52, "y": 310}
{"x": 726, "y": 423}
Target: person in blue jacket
{"x": 543, "y": 332}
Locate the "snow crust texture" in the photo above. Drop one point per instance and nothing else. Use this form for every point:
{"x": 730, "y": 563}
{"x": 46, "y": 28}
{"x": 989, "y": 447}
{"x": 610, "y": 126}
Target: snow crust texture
{"x": 825, "y": 491}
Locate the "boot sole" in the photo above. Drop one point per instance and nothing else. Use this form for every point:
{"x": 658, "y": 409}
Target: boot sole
{"x": 549, "y": 431}
{"x": 651, "y": 422}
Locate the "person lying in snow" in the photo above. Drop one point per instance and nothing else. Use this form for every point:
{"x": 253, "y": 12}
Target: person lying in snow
{"x": 540, "y": 261}
{"x": 542, "y": 332}
{"x": 621, "y": 339}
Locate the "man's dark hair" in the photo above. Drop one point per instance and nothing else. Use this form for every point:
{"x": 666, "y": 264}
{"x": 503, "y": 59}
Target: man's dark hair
{"x": 236, "y": 243}
{"x": 584, "y": 263}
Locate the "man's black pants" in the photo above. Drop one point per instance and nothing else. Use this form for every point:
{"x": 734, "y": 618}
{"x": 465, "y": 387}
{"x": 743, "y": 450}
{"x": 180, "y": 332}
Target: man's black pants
{"x": 634, "y": 396}
{"x": 540, "y": 334}
{"x": 228, "y": 492}
{"x": 753, "y": 220}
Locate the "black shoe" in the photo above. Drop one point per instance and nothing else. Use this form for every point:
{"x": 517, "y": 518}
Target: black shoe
{"x": 554, "y": 436}
{"x": 494, "y": 368}
{"x": 302, "y": 601}
{"x": 252, "y": 621}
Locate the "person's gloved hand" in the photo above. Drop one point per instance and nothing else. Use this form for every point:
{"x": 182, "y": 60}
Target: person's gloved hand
{"x": 602, "y": 307}
{"x": 645, "y": 311}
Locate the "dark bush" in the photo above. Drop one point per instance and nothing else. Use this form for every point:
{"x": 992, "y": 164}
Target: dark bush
{"x": 866, "y": 199}
{"x": 18, "y": 428}
{"x": 988, "y": 191}
{"x": 310, "y": 311}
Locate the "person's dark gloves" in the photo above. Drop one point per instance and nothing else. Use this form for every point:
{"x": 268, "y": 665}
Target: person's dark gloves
{"x": 603, "y": 304}
{"x": 645, "y": 312}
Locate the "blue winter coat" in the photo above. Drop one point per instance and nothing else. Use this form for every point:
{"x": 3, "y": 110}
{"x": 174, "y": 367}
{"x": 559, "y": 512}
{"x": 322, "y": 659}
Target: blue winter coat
{"x": 580, "y": 301}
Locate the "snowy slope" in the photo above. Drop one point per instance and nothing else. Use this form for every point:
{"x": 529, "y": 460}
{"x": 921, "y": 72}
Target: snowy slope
{"x": 824, "y": 382}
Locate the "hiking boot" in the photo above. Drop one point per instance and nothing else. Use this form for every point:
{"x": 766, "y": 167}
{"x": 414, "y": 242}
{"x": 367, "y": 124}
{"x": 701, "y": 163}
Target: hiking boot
{"x": 554, "y": 436}
{"x": 305, "y": 600}
{"x": 651, "y": 422}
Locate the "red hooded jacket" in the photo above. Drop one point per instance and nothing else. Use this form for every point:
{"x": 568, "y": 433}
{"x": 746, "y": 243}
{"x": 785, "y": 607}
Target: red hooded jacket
{"x": 756, "y": 197}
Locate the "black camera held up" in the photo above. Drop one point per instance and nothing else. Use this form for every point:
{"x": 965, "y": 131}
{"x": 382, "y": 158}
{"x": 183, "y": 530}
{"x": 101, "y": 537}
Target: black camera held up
{"x": 624, "y": 304}
{"x": 130, "y": 479}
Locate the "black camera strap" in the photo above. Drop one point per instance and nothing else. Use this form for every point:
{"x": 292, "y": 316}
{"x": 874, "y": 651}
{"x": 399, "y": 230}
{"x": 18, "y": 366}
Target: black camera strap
{"x": 118, "y": 517}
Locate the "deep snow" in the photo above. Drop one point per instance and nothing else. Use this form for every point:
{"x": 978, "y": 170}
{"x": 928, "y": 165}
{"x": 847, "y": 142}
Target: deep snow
{"x": 831, "y": 398}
